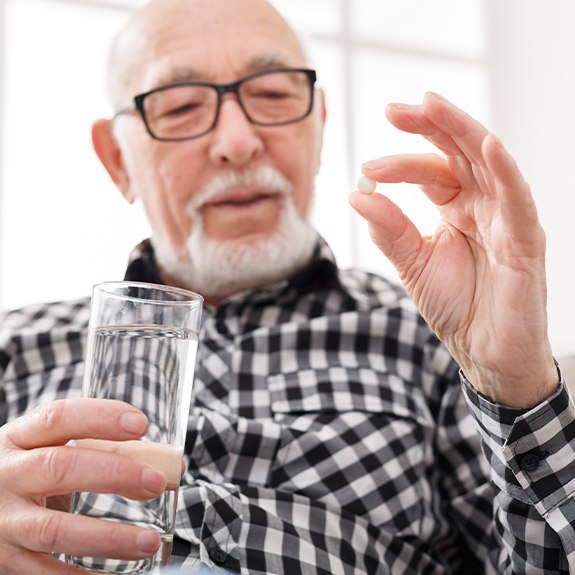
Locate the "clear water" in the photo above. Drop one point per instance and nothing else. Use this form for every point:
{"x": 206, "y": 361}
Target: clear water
{"x": 151, "y": 368}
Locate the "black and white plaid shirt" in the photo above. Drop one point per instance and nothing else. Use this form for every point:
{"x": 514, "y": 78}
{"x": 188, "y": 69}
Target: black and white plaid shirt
{"x": 330, "y": 435}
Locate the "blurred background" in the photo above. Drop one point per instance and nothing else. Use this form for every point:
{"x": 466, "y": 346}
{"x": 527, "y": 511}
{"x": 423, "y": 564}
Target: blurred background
{"x": 64, "y": 227}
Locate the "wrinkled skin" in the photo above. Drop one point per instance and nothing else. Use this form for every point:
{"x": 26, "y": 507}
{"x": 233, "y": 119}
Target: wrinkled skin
{"x": 39, "y": 471}
{"x": 217, "y": 41}
{"x": 479, "y": 280}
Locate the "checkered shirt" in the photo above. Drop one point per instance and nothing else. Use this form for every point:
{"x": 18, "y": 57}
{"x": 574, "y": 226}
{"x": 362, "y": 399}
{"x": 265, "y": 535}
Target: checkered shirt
{"x": 329, "y": 434}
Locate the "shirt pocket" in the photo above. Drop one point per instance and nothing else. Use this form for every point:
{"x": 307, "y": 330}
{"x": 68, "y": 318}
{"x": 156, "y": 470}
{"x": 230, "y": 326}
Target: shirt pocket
{"x": 342, "y": 389}
{"x": 351, "y": 437}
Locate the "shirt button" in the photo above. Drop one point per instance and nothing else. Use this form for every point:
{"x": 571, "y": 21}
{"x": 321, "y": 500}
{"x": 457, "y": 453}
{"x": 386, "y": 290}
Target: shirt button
{"x": 218, "y": 556}
{"x": 529, "y": 462}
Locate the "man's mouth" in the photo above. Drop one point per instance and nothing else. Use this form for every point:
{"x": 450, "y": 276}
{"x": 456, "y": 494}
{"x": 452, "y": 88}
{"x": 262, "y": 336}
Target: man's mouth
{"x": 240, "y": 201}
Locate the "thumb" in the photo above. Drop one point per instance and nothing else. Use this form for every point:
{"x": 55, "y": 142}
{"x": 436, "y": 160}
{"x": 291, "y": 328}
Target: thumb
{"x": 390, "y": 229}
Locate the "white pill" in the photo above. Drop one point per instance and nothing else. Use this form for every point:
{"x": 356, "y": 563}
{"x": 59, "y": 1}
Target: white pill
{"x": 366, "y": 185}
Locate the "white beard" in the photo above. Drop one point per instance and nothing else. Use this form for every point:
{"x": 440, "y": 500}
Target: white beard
{"x": 218, "y": 269}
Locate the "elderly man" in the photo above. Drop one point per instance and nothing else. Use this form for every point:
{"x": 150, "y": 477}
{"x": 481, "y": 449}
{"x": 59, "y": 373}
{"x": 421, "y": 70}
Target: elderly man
{"x": 331, "y": 430}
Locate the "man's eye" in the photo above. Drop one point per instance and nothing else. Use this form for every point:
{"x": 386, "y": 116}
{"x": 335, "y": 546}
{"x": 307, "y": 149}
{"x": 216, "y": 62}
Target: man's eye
{"x": 187, "y": 108}
{"x": 271, "y": 94}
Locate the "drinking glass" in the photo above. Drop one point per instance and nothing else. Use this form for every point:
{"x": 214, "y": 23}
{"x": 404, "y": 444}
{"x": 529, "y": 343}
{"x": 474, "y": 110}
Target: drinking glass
{"x": 142, "y": 344}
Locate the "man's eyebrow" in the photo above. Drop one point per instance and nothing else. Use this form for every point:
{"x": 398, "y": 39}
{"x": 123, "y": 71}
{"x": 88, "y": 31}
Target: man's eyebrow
{"x": 180, "y": 75}
{"x": 193, "y": 75}
{"x": 266, "y": 62}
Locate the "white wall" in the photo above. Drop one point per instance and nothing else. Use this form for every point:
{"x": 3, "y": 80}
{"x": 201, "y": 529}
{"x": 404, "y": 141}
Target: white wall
{"x": 63, "y": 226}
{"x": 532, "y": 48}
{"x": 530, "y": 61}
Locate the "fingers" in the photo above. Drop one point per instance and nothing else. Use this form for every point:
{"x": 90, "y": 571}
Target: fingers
{"x": 59, "y": 470}
{"x": 37, "y": 463}
{"x": 60, "y": 421}
{"x": 452, "y": 131}
{"x": 445, "y": 125}
{"x": 392, "y": 232}
{"x": 413, "y": 119}
{"x": 466, "y": 132}
{"x": 431, "y": 172}
{"x": 25, "y": 562}
{"x": 46, "y": 531}
{"x": 517, "y": 204}
{"x": 476, "y": 161}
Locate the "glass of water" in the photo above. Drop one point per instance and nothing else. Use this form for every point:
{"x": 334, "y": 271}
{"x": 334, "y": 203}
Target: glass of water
{"x": 142, "y": 344}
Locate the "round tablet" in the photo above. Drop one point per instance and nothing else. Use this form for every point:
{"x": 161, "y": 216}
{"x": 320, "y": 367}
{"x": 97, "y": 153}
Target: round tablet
{"x": 366, "y": 185}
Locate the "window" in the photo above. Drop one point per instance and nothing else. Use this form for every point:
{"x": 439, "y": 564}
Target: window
{"x": 64, "y": 226}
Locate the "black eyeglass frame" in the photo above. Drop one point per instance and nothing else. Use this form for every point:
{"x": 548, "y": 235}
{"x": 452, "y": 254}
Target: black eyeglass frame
{"x": 221, "y": 90}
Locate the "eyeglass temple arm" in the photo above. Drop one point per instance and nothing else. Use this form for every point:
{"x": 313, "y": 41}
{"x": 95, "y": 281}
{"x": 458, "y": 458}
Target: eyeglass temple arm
{"x": 124, "y": 111}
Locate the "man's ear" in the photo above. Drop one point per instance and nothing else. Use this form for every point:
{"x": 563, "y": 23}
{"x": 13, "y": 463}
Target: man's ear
{"x": 321, "y": 97}
{"x": 320, "y": 117}
{"x": 107, "y": 148}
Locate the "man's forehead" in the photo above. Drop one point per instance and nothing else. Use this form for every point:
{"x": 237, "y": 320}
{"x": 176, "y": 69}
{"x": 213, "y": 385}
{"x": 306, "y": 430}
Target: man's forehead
{"x": 207, "y": 17}
{"x": 166, "y": 43}
{"x": 178, "y": 73}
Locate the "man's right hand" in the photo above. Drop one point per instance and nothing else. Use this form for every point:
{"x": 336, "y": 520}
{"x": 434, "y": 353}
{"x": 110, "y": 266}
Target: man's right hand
{"x": 38, "y": 470}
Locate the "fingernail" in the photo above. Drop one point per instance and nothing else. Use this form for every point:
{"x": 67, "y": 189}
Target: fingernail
{"x": 397, "y": 106}
{"x": 133, "y": 422}
{"x": 153, "y": 480}
{"x": 369, "y": 165}
{"x": 148, "y": 541}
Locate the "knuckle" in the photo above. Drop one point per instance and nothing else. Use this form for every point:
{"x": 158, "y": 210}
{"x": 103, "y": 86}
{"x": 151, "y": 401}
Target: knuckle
{"x": 9, "y": 435}
{"x": 36, "y": 530}
{"x": 49, "y": 531}
{"x": 122, "y": 471}
{"x": 54, "y": 463}
{"x": 49, "y": 416}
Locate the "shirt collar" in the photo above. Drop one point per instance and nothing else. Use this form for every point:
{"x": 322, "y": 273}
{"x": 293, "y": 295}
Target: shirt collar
{"x": 321, "y": 271}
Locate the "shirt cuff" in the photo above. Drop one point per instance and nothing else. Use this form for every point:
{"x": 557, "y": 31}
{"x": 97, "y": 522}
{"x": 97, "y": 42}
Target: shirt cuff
{"x": 531, "y": 452}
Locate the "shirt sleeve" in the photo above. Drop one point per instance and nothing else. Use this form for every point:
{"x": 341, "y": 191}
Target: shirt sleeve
{"x": 532, "y": 458}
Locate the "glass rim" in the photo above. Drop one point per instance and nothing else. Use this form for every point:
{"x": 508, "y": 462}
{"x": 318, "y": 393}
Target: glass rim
{"x": 109, "y": 289}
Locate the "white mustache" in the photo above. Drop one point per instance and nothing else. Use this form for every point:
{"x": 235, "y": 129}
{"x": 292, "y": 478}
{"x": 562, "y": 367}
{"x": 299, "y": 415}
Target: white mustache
{"x": 264, "y": 177}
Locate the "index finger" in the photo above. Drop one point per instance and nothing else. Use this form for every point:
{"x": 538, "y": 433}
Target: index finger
{"x": 446, "y": 126}
{"x": 411, "y": 118}
{"x": 466, "y": 132}
{"x": 58, "y": 422}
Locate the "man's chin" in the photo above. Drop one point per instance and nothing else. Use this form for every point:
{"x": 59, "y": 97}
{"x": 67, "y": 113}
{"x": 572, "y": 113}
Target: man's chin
{"x": 219, "y": 269}
{"x": 248, "y": 240}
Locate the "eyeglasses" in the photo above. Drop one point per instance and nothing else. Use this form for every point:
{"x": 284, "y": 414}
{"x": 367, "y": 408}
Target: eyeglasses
{"x": 188, "y": 110}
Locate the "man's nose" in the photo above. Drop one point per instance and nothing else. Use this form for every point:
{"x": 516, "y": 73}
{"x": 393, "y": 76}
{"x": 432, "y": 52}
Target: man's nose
{"x": 235, "y": 139}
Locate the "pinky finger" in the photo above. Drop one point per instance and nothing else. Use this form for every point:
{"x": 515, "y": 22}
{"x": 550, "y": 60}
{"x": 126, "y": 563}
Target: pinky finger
{"x": 26, "y": 562}
{"x": 49, "y": 531}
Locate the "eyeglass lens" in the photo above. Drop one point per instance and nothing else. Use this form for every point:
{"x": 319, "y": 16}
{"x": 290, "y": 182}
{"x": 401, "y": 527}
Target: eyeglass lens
{"x": 185, "y": 111}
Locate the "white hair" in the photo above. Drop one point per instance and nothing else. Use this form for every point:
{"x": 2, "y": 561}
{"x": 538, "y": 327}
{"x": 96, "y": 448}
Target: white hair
{"x": 217, "y": 268}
